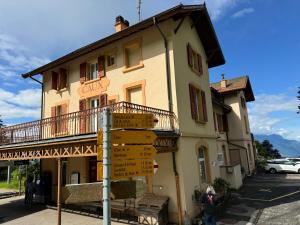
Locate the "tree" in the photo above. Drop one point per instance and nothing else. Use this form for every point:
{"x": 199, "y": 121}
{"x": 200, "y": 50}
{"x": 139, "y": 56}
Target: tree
{"x": 273, "y": 153}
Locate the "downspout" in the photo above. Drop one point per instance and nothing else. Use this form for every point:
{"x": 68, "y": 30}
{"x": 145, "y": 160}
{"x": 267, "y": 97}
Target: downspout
{"x": 42, "y": 114}
{"x": 170, "y": 103}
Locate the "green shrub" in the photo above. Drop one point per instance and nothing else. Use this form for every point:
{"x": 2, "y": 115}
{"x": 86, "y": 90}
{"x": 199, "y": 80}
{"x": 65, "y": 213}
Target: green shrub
{"x": 220, "y": 185}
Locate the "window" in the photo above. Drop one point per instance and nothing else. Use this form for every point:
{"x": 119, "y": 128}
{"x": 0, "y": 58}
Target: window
{"x": 224, "y": 154}
{"x": 94, "y": 104}
{"x": 246, "y": 125}
{"x": 220, "y": 123}
{"x": 93, "y": 71}
{"x": 111, "y": 59}
{"x": 59, "y": 123}
{"x": 194, "y": 60}
{"x": 202, "y": 165}
{"x": 133, "y": 55}
{"x": 243, "y": 102}
{"x": 59, "y": 79}
{"x": 198, "y": 104}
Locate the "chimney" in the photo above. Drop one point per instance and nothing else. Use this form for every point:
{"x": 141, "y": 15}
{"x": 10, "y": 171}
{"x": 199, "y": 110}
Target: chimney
{"x": 121, "y": 24}
{"x": 223, "y": 81}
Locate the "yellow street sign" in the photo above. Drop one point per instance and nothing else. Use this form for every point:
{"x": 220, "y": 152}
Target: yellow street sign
{"x": 132, "y": 120}
{"x": 100, "y": 153}
{"x": 132, "y": 168}
{"x": 99, "y": 171}
{"x": 100, "y": 137}
{"x": 132, "y": 152}
{"x": 127, "y": 168}
{"x": 130, "y": 137}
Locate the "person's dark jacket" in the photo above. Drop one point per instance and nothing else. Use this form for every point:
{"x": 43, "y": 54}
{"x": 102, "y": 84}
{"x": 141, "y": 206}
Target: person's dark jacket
{"x": 210, "y": 206}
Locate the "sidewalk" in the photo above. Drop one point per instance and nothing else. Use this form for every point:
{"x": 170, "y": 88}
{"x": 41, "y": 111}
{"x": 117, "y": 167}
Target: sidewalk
{"x": 13, "y": 212}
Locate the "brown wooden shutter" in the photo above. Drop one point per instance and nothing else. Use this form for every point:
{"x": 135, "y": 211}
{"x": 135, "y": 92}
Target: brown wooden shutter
{"x": 64, "y": 118}
{"x": 62, "y": 78}
{"x": 101, "y": 66}
{"x": 103, "y": 100}
{"x": 190, "y": 55}
{"x": 82, "y": 73}
{"x": 53, "y": 120}
{"x": 54, "y": 80}
{"x": 193, "y": 102}
{"x": 82, "y": 117}
{"x": 204, "y": 106}
{"x": 200, "y": 68}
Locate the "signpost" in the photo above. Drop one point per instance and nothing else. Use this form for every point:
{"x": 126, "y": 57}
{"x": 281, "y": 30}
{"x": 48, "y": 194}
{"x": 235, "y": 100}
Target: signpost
{"x": 130, "y": 153}
{"x": 130, "y": 137}
{"x": 132, "y": 120}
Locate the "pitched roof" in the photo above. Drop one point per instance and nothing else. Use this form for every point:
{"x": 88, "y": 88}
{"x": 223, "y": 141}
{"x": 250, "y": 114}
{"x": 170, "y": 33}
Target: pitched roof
{"x": 239, "y": 83}
{"x": 198, "y": 14}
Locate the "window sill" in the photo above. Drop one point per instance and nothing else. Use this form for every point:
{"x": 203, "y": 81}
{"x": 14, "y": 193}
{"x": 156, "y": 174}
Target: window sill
{"x": 201, "y": 122}
{"x": 129, "y": 69}
{"x": 62, "y": 90}
{"x": 91, "y": 81}
{"x": 196, "y": 72}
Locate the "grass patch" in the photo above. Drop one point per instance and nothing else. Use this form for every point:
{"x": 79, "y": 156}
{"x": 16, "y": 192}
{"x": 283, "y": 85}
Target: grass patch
{"x": 12, "y": 186}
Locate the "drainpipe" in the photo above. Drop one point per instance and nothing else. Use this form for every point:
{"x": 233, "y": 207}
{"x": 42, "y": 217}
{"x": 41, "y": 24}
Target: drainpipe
{"x": 170, "y": 103}
{"x": 42, "y": 114}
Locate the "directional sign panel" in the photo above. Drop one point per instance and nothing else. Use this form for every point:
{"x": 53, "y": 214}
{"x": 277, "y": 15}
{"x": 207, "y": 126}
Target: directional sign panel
{"x": 130, "y": 137}
{"x": 132, "y": 120}
{"x": 99, "y": 171}
{"x": 132, "y": 152}
{"x": 132, "y": 168}
{"x": 127, "y": 168}
{"x": 100, "y": 153}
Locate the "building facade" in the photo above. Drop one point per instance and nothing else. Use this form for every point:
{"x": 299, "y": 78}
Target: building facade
{"x": 160, "y": 66}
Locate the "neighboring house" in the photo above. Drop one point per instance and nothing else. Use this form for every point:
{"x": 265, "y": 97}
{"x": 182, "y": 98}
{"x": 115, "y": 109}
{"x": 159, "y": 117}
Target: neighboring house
{"x": 240, "y": 149}
{"x": 160, "y": 66}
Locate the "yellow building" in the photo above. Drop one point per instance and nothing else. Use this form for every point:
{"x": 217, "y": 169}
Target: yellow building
{"x": 160, "y": 66}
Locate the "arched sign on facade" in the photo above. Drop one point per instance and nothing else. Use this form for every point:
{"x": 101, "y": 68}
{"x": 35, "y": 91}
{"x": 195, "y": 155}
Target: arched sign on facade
{"x": 93, "y": 88}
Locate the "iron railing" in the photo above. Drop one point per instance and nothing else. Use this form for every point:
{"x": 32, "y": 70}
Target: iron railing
{"x": 79, "y": 123}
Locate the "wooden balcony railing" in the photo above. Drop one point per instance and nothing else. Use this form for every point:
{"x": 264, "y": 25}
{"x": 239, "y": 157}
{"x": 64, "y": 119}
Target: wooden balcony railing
{"x": 79, "y": 123}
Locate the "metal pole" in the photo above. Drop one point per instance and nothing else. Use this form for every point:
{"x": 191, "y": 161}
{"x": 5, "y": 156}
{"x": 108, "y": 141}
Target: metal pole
{"x": 20, "y": 177}
{"x": 8, "y": 174}
{"x": 106, "y": 167}
{"x": 58, "y": 191}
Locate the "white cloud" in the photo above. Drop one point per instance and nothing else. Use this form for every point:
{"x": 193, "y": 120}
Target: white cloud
{"x": 217, "y": 8}
{"x": 23, "y": 104}
{"x": 14, "y": 58}
{"x": 269, "y": 114}
{"x": 242, "y": 13}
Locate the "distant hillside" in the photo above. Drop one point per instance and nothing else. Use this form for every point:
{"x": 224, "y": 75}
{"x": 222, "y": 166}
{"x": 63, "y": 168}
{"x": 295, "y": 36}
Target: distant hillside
{"x": 287, "y": 148}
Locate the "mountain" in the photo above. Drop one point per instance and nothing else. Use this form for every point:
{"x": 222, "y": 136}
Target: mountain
{"x": 287, "y": 148}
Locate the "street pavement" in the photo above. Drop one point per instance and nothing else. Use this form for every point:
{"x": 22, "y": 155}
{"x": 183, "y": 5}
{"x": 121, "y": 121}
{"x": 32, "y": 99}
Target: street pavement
{"x": 14, "y": 212}
{"x": 265, "y": 199}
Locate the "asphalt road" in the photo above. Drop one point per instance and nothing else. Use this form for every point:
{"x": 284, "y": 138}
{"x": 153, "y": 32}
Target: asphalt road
{"x": 266, "y": 199}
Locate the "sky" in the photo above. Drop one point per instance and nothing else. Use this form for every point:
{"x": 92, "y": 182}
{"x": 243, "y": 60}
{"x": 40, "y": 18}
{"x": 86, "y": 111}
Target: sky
{"x": 260, "y": 39}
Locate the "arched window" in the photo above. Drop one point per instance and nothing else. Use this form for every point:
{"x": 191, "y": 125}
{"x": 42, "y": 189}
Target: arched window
{"x": 202, "y": 165}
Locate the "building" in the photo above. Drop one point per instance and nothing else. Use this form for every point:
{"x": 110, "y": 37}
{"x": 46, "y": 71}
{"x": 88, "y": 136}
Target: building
{"x": 159, "y": 65}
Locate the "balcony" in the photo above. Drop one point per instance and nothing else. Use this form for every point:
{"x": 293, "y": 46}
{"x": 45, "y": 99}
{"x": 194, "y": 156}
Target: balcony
{"x": 79, "y": 124}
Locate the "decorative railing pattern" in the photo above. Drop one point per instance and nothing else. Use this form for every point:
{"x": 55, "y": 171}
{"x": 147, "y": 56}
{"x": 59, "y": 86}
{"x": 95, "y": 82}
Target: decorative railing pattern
{"x": 79, "y": 123}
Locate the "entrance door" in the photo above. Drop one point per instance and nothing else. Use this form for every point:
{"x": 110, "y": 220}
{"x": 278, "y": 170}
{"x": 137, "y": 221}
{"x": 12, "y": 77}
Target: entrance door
{"x": 93, "y": 169}
{"x": 94, "y": 103}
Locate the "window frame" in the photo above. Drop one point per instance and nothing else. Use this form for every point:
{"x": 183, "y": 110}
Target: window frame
{"x": 128, "y": 45}
{"x": 201, "y": 106}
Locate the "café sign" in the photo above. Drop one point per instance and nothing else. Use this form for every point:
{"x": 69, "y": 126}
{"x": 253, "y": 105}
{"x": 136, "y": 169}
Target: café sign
{"x": 94, "y": 87}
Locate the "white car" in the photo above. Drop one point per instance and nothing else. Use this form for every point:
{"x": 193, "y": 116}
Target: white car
{"x": 294, "y": 160}
{"x": 274, "y": 166}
